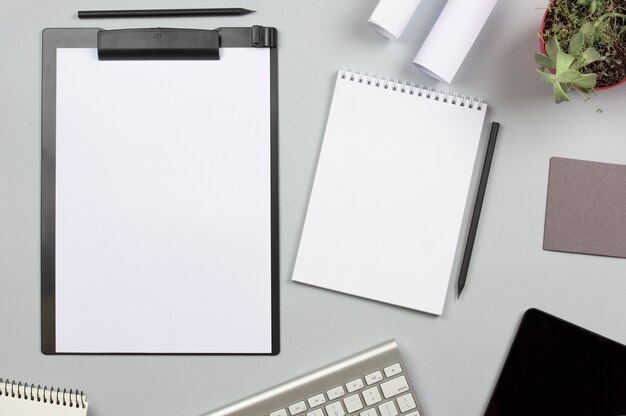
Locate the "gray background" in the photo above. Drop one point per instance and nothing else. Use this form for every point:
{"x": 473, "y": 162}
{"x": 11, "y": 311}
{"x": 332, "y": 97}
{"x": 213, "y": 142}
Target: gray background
{"x": 453, "y": 359}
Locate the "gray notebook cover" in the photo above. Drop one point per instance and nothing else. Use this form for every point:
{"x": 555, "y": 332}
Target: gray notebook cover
{"x": 586, "y": 209}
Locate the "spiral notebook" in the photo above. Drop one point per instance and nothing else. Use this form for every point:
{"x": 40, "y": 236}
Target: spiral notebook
{"x": 21, "y": 399}
{"x": 390, "y": 191}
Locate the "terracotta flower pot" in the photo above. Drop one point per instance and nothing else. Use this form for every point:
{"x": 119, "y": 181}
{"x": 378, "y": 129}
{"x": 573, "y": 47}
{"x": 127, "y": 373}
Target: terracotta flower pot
{"x": 542, "y": 48}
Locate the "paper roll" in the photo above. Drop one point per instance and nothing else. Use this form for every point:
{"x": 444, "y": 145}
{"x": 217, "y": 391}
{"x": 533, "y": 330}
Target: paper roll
{"x": 390, "y": 17}
{"x": 451, "y": 38}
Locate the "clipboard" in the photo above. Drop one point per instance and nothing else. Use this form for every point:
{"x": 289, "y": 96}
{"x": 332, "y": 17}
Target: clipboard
{"x": 187, "y": 262}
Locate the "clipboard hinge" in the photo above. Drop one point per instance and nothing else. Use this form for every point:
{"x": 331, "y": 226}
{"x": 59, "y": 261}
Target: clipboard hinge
{"x": 263, "y": 37}
{"x": 158, "y": 44}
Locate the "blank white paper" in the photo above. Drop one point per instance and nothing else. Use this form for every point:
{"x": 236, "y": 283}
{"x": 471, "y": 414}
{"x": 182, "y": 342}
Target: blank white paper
{"x": 163, "y": 207}
{"x": 389, "y": 195}
{"x": 453, "y": 35}
{"x": 390, "y": 17}
{"x": 19, "y": 406}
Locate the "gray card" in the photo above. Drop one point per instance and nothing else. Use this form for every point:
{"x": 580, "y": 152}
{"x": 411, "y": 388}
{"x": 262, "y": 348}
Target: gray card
{"x": 586, "y": 210}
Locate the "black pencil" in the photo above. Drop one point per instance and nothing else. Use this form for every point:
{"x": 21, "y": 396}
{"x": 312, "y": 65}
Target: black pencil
{"x": 98, "y": 14}
{"x": 478, "y": 204}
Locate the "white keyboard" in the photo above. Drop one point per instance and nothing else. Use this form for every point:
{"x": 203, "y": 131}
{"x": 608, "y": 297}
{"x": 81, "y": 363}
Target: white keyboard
{"x": 371, "y": 383}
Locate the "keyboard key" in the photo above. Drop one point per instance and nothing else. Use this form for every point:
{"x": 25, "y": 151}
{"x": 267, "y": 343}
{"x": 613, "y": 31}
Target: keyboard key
{"x": 388, "y": 409}
{"x": 393, "y": 370}
{"x": 297, "y": 408}
{"x": 317, "y": 400}
{"x": 415, "y": 413}
{"x": 372, "y": 396}
{"x": 369, "y": 412}
{"x": 353, "y": 403}
{"x": 406, "y": 402}
{"x": 375, "y": 377}
{"x": 354, "y": 385}
{"x": 318, "y": 412}
{"x": 394, "y": 387}
{"x": 281, "y": 412}
{"x": 335, "y": 393}
{"x": 335, "y": 409}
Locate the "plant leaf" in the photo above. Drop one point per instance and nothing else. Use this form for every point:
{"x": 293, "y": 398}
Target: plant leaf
{"x": 546, "y": 77}
{"x": 570, "y": 76}
{"x": 587, "y": 81}
{"x": 563, "y": 61}
{"x": 593, "y": 7}
{"x": 587, "y": 29}
{"x": 544, "y": 61}
{"x": 576, "y": 44}
{"x": 552, "y": 48}
{"x": 589, "y": 56}
{"x": 559, "y": 94}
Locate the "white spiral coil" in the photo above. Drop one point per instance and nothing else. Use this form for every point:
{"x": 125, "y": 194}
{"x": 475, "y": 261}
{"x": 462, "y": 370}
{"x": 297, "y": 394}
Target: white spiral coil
{"x": 412, "y": 89}
{"x": 55, "y": 396}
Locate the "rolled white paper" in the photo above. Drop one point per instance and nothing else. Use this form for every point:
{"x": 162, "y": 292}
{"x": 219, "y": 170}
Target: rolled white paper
{"x": 390, "y": 17}
{"x": 451, "y": 38}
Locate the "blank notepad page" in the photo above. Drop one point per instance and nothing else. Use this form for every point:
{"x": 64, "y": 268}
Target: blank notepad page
{"x": 390, "y": 192}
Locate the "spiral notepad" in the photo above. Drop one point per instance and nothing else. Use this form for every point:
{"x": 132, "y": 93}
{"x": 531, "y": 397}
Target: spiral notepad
{"x": 390, "y": 191}
{"x": 20, "y": 399}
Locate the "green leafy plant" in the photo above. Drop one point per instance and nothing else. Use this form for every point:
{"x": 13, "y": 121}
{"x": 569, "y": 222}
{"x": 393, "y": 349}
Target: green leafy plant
{"x": 594, "y": 32}
{"x": 593, "y": 5}
{"x": 562, "y": 69}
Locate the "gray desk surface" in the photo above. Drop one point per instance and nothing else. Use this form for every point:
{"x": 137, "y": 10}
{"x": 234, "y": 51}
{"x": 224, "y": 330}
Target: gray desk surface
{"x": 453, "y": 359}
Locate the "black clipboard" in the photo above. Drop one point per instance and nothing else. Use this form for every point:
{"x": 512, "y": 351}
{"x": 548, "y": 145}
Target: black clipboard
{"x": 144, "y": 44}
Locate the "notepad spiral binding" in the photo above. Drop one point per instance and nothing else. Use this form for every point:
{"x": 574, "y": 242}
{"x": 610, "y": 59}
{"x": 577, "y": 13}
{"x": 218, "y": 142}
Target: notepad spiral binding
{"x": 412, "y": 89}
{"x": 52, "y": 395}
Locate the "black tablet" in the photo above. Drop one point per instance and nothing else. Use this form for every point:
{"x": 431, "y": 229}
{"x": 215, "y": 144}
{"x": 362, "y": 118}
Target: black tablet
{"x": 557, "y": 368}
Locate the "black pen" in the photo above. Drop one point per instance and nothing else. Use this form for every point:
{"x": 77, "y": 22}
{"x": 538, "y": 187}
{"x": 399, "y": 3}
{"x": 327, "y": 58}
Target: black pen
{"x": 482, "y": 186}
{"x": 97, "y": 14}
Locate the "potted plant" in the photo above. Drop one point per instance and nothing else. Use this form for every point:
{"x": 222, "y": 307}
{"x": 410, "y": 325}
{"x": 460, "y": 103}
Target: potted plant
{"x": 583, "y": 46}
